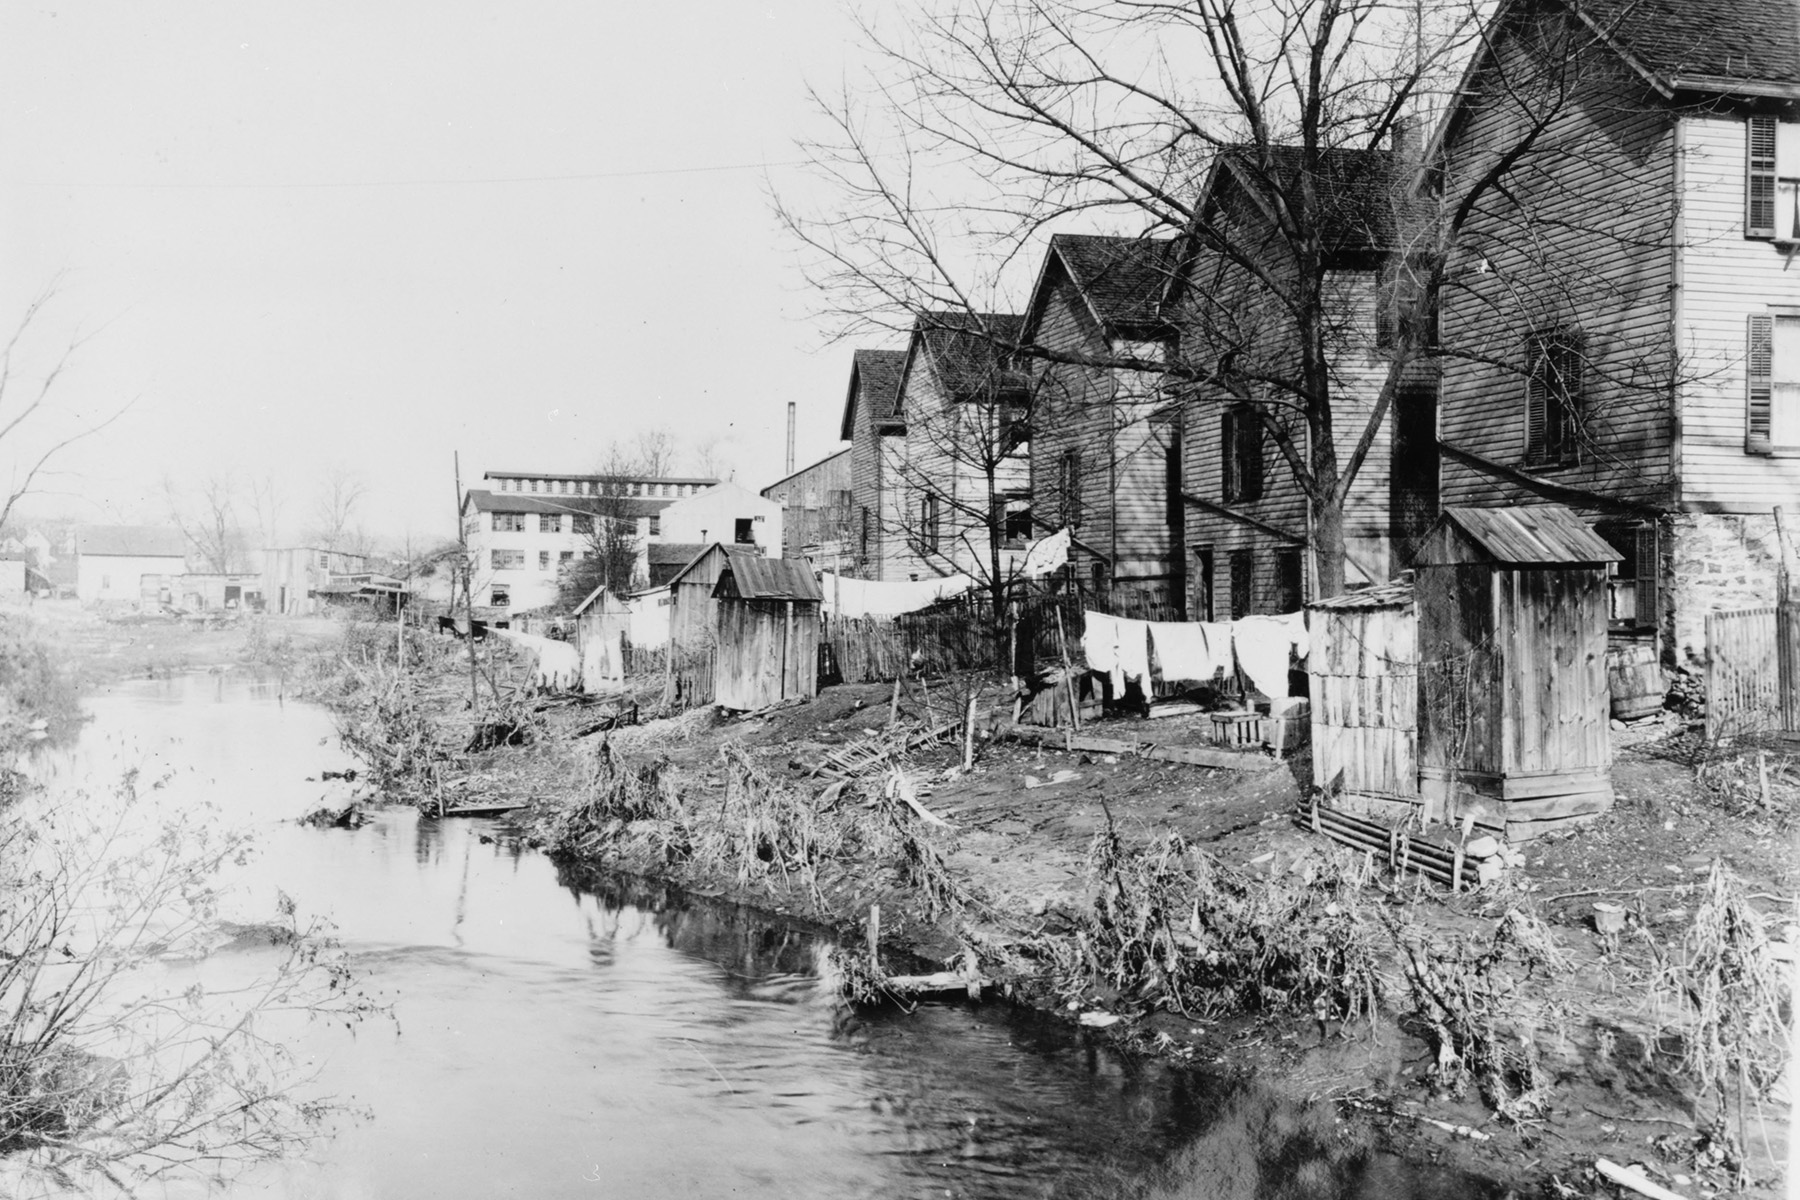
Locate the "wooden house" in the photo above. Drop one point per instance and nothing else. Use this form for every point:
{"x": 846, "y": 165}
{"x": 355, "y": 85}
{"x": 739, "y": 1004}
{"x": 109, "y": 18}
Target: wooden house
{"x": 965, "y": 486}
{"x": 768, "y": 632}
{"x": 816, "y": 511}
{"x": 1620, "y": 310}
{"x": 1513, "y": 723}
{"x": 1243, "y": 278}
{"x": 877, "y": 435}
{"x": 1106, "y": 439}
{"x": 1363, "y": 670}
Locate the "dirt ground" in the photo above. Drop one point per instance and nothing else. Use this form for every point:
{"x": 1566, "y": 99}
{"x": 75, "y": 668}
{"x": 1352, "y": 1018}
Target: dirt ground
{"x": 1025, "y": 817}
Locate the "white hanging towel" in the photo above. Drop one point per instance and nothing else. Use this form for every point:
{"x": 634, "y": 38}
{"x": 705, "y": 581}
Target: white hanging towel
{"x": 1191, "y": 650}
{"x": 1046, "y": 555}
{"x": 1264, "y": 646}
{"x": 1134, "y": 653}
{"x": 558, "y": 665}
{"x": 1100, "y": 646}
{"x": 887, "y": 598}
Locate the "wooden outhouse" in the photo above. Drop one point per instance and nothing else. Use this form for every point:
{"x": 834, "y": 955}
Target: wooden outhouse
{"x": 693, "y": 627}
{"x": 1513, "y": 725}
{"x": 1364, "y": 687}
{"x": 768, "y": 632}
{"x": 602, "y": 623}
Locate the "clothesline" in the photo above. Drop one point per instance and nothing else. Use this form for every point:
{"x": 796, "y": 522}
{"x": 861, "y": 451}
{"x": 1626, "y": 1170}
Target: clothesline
{"x": 1262, "y": 646}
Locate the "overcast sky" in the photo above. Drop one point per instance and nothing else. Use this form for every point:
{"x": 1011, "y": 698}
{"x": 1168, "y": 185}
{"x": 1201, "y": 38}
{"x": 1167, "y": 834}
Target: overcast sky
{"x": 366, "y": 235}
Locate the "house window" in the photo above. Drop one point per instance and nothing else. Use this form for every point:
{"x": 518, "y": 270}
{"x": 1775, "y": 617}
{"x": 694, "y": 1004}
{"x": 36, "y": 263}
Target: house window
{"x": 1772, "y": 379}
{"x": 1772, "y": 179}
{"x": 742, "y": 532}
{"x": 1290, "y": 578}
{"x": 656, "y": 525}
{"x": 862, "y": 543}
{"x": 1631, "y": 582}
{"x": 549, "y": 522}
{"x": 1070, "y": 488}
{"x": 582, "y": 524}
{"x": 543, "y": 560}
{"x": 1015, "y": 428}
{"x": 1203, "y": 583}
{"x": 508, "y": 560}
{"x": 506, "y": 523}
{"x": 534, "y": 484}
{"x": 928, "y": 524}
{"x": 499, "y": 596}
{"x": 1242, "y": 565}
{"x": 1555, "y": 397}
{"x": 1016, "y": 520}
{"x": 1241, "y": 454}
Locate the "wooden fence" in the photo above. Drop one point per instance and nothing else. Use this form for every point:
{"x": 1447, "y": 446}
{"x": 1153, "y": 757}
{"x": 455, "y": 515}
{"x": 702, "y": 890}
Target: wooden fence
{"x": 691, "y": 676}
{"x": 1753, "y": 671}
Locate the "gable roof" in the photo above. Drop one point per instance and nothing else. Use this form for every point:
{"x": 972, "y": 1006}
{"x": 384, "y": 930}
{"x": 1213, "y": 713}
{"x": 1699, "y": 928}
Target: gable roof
{"x": 1527, "y": 534}
{"x": 133, "y": 541}
{"x": 875, "y": 381}
{"x": 752, "y": 577}
{"x": 1121, "y": 279}
{"x": 836, "y": 454}
{"x": 967, "y": 351}
{"x": 1744, "y": 46}
{"x": 1355, "y": 187}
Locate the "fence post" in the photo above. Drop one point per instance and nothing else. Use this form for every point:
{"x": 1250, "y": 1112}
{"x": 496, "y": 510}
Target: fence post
{"x": 1787, "y": 660}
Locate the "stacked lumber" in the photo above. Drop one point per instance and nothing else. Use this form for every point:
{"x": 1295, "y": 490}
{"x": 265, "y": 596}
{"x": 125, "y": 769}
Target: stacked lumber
{"x": 1467, "y": 862}
{"x": 870, "y": 753}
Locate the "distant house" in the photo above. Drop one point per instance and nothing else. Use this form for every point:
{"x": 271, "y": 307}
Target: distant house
{"x": 1627, "y": 306}
{"x": 128, "y": 564}
{"x": 877, "y": 436}
{"x": 668, "y": 558}
{"x": 1106, "y": 442}
{"x": 13, "y": 572}
{"x": 816, "y": 520}
{"x": 294, "y": 579}
{"x": 728, "y": 513}
{"x": 965, "y": 481}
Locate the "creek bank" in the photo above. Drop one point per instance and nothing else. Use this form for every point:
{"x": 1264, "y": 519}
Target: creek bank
{"x": 1112, "y": 888}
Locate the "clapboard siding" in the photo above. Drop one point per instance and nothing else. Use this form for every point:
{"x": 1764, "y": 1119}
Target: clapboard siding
{"x": 1358, "y": 372}
{"x": 1725, "y": 278}
{"x": 1104, "y": 416}
{"x": 1579, "y": 237}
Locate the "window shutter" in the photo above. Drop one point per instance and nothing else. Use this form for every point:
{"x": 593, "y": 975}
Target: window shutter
{"x": 1760, "y": 369}
{"x": 1645, "y": 589}
{"x": 1537, "y": 406}
{"x": 1249, "y": 454}
{"x": 1759, "y": 182}
{"x": 1228, "y": 490}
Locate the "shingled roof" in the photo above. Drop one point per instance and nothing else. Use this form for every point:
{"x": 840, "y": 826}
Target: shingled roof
{"x": 621, "y": 506}
{"x": 875, "y": 381}
{"x": 1355, "y": 187}
{"x": 1704, "y": 45}
{"x": 1120, "y": 277}
{"x": 969, "y": 350}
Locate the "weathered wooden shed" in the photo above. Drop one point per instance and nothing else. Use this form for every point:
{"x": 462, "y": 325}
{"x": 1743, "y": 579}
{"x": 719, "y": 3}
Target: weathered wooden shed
{"x": 694, "y": 627}
{"x": 1513, "y": 698}
{"x": 768, "y": 632}
{"x": 1364, "y": 668}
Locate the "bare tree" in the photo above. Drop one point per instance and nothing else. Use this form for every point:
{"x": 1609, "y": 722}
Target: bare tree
{"x": 713, "y": 459}
{"x": 336, "y": 508}
{"x": 608, "y": 523}
{"x": 655, "y": 452}
{"x": 1265, "y": 143}
{"x": 266, "y": 506}
{"x": 27, "y": 401}
{"x": 208, "y": 518}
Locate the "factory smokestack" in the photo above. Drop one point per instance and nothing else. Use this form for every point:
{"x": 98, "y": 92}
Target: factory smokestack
{"x": 790, "y": 458}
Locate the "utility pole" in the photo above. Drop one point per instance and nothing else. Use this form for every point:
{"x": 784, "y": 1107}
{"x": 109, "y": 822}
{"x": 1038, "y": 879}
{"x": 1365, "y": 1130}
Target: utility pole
{"x": 468, "y": 574}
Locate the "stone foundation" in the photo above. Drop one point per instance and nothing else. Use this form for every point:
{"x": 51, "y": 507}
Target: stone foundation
{"x": 1713, "y": 563}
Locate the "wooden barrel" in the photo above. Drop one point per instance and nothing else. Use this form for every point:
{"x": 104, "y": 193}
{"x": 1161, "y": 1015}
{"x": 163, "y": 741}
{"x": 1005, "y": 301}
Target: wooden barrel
{"x": 1635, "y": 678}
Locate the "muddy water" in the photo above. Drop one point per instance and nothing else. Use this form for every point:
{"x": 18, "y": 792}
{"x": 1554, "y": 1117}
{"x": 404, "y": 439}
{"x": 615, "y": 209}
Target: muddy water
{"x": 562, "y": 1034}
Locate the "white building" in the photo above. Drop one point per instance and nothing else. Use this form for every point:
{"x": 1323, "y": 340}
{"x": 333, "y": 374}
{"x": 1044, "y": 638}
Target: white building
{"x": 725, "y": 513}
{"x": 526, "y": 526}
{"x": 131, "y": 564}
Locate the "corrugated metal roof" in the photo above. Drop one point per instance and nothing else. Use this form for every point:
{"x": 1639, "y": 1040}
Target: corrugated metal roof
{"x": 1397, "y": 593}
{"x": 1535, "y": 533}
{"x": 758, "y": 578}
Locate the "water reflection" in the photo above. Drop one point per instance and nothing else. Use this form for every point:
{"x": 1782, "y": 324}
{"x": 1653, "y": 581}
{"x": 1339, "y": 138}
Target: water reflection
{"x": 565, "y": 1033}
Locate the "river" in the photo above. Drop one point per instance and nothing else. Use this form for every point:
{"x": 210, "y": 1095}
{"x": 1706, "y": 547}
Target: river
{"x": 557, "y": 1033}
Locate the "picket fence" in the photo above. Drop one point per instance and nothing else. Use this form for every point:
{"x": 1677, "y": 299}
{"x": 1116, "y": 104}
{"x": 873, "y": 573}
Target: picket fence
{"x": 1753, "y": 671}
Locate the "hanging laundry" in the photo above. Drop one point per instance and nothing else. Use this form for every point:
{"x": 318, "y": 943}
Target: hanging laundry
{"x": 1046, "y": 555}
{"x": 1186, "y": 649}
{"x": 1134, "y": 653}
{"x": 886, "y": 598}
{"x": 1264, "y": 647}
{"x": 1100, "y": 646}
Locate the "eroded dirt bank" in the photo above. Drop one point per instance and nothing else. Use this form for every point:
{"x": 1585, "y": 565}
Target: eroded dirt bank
{"x": 1181, "y": 911}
